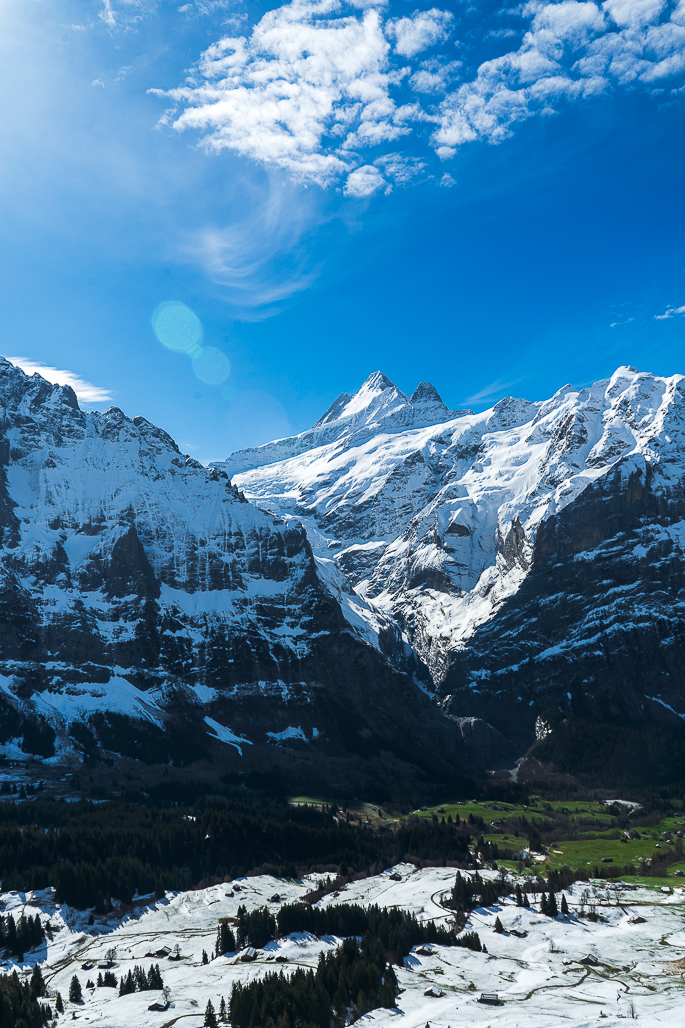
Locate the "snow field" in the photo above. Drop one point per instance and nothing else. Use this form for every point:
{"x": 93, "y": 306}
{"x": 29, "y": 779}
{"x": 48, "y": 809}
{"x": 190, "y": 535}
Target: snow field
{"x": 541, "y": 978}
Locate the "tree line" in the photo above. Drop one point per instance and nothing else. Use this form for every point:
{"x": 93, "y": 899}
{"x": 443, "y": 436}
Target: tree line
{"x": 19, "y": 936}
{"x": 92, "y": 853}
{"x": 398, "y": 931}
{"x": 20, "y": 1002}
{"x": 349, "y": 982}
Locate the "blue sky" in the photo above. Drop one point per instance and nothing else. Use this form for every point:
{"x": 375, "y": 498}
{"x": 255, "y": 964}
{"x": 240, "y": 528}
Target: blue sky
{"x": 482, "y": 195}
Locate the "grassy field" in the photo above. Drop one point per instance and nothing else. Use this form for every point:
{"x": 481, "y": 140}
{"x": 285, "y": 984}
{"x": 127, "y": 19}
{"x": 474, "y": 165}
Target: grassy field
{"x": 585, "y": 833}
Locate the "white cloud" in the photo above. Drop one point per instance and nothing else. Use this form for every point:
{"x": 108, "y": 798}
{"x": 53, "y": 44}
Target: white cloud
{"x": 634, "y": 13}
{"x": 572, "y": 51}
{"x": 434, "y": 75}
{"x": 399, "y": 168}
{"x": 85, "y": 391}
{"x": 364, "y": 182}
{"x": 670, "y": 312}
{"x": 107, "y": 14}
{"x": 422, "y": 30}
{"x": 300, "y": 79}
{"x": 314, "y": 88}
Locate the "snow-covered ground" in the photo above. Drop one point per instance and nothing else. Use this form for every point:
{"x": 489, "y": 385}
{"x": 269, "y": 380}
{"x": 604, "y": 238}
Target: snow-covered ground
{"x": 541, "y": 978}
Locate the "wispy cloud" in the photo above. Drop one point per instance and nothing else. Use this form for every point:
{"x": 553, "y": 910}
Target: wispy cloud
{"x": 491, "y": 390}
{"x": 670, "y": 312}
{"x": 85, "y": 391}
{"x": 245, "y": 257}
{"x": 107, "y": 14}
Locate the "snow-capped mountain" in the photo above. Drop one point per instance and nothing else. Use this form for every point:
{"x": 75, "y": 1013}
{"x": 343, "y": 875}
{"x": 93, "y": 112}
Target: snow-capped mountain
{"x": 531, "y": 554}
{"x": 378, "y": 407}
{"x": 137, "y": 584}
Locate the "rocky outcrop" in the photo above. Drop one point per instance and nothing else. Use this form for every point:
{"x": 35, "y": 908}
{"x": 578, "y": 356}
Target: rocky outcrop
{"x": 597, "y": 628}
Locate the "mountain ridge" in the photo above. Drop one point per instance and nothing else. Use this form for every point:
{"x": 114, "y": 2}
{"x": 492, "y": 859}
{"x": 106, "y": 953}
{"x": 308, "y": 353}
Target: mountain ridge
{"x": 437, "y": 528}
{"x": 377, "y": 405}
{"x": 149, "y": 610}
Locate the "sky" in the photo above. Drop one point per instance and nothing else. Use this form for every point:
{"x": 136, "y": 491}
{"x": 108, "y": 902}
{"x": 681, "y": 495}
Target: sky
{"x": 220, "y": 214}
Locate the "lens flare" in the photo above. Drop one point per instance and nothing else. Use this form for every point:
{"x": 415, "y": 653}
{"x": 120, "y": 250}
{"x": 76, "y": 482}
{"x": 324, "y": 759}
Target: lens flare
{"x": 177, "y": 327}
{"x": 211, "y": 366}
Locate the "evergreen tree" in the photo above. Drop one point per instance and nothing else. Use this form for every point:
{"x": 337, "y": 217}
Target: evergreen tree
{"x": 498, "y": 926}
{"x": 59, "y": 1005}
{"x": 543, "y": 903}
{"x": 37, "y": 983}
{"x": 205, "y": 958}
{"x": 75, "y": 995}
{"x": 210, "y": 1020}
{"x": 552, "y": 909}
{"x": 154, "y": 978}
{"x": 222, "y": 1010}
{"x": 526, "y": 901}
{"x": 564, "y": 905}
{"x": 127, "y": 985}
{"x": 519, "y": 896}
{"x": 100, "y": 982}
{"x": 225, "y": 940}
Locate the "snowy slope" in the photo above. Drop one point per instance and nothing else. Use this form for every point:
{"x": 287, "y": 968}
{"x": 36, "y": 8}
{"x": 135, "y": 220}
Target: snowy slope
{"x": 135, "y": 582}
{"x": 439, "y": 526}
{"x": 378, "y": 406}
{"x": 541, "y": 979}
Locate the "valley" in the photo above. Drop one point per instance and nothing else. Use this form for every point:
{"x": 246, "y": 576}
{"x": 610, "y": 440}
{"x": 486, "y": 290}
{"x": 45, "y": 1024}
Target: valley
{"x": 570, "y": 970}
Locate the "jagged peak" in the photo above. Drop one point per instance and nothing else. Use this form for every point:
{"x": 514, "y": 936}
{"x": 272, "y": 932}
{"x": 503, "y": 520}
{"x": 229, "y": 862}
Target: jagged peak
{"x": 426, "y": 392}
{"x": 349, "y": 404}
{"x": 377, "y": 381}
{"x": 16, "y": 382}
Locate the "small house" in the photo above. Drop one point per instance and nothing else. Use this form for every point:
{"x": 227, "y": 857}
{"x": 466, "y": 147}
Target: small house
{"x": 489, "y": 997}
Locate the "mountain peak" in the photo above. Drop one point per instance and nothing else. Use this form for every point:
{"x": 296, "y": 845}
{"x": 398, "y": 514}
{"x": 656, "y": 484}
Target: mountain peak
{"x": 377, "y": 380}
{"x": 425, "y": 392}
{"x": 374, "y": 393}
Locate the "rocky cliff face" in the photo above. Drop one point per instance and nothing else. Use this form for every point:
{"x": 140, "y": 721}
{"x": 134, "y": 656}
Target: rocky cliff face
{"x": 148, "y": 609}
{"x": 528, "y": 555}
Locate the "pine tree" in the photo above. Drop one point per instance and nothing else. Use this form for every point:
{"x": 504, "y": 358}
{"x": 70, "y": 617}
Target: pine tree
{"x": 222, "y": 1010}
{"x": 498, "y": 926}
{"x": 205, "y": 958}
{"x": 100, "y": 982}
{"x": 75, "y": 995}
{"x": 210, "y": 1020}
{"x": 564, "y": 905}
{"x": 37, "y": 983}
{"x": 543, "y": 903}
{"x": 519, "y": 896}
{"x": 59, "y": 1005}
{"x": 552, "y": 909}
{"x": 526, "y": 901}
